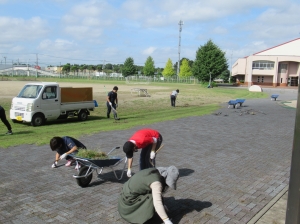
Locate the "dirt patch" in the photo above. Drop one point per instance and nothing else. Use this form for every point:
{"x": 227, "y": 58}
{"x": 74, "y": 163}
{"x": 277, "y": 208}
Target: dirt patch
{"x": 10, "y": 89}
{"x": 292, "y": 103}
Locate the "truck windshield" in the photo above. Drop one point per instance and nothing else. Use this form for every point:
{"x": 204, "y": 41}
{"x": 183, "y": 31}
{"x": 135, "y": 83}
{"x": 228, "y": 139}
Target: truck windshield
{"x": 30, "y": 91}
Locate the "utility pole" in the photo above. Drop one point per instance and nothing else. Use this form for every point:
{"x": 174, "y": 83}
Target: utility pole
{"x": 230, "y": 67}
{"x": 178, "y": 64}
{"x": 5, "y": 60}
{"x": 293, "y": 205}
{"x": 103, "y": 67}
{"x": 37, "y": 64}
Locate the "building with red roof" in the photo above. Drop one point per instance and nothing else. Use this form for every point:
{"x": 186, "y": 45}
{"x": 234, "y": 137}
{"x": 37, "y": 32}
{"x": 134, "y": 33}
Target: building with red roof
{"x": 276, "y": 66}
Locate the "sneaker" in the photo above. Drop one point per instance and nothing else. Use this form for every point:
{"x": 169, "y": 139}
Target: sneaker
{"x": 70, "y": 162}
{"x": 9, "y": 133}
{"x": 77, "y": 167}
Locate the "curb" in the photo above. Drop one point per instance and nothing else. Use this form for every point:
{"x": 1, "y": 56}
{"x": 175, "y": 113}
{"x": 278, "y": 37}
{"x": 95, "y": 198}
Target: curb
{"x": 268, "y": 206}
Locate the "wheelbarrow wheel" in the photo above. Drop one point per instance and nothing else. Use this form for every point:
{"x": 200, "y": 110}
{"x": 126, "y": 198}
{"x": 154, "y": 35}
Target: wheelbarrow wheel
{"x": 84, "y": 181}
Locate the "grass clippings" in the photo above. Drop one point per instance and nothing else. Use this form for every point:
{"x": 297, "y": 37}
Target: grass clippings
{"x": 91, "y": 154}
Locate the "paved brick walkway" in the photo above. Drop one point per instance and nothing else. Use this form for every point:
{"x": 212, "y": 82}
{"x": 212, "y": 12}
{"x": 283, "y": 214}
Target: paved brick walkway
{"x": 231, "y": 165}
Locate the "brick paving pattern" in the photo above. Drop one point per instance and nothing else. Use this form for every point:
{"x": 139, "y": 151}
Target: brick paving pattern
{"x": 232, "y": 163}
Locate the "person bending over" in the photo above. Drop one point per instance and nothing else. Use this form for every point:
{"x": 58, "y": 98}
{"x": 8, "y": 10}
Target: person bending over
{"x": 141, "y": 195}
{"x": 173, "y": 97}
{"x": 64, "y": 146}
{"x": 149, "y": 141}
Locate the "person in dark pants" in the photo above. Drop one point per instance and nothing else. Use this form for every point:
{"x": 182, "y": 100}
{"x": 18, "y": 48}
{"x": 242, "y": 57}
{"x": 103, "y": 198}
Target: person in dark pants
{"x": 64, "y": 146}
{"x": 112, "y": 102}
{"x": 173, "y": 96}
{"x": 5, "y": 121}
{"x": 149, "y": 141}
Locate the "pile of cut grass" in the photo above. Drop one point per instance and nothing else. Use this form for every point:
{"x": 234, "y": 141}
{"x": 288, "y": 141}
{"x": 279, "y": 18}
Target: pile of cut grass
{"x": 91, "y": 154}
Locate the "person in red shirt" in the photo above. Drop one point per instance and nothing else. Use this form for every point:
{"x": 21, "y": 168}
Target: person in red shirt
{"x": 149, "y": 141}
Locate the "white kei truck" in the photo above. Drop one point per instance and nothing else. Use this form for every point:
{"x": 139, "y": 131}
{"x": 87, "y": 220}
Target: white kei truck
{"x": 44, "y": 101}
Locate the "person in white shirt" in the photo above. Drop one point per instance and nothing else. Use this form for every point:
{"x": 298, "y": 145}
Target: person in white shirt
{"x": 173, "y": 96}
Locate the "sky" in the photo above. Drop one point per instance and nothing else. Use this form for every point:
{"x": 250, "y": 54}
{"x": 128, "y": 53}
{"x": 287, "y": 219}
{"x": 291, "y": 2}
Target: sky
{"x": 55, "y": 32}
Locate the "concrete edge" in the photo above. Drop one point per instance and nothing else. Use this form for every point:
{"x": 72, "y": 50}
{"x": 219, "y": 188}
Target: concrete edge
{"x": 268, "y": 206}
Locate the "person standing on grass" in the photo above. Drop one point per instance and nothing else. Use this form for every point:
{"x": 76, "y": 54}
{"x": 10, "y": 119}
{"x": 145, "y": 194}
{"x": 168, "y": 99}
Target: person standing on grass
{"x": 5, "y": 121}
{"x": 173, "y": 97}
{"x": 149, "y": 141}
{"x": 64, "y": 146}
{"x": 112, "y": 102}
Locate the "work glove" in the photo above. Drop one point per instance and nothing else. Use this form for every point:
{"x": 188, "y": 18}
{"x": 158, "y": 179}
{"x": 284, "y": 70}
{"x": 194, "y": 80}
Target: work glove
{"x": 129, "y": 173}
{"x": 152, "y": 155}
{"x": 54, "y": 165}
{"x": 110, "y": 103}
{"x": 63, "y": 156}
{"x": 168, "y": 221}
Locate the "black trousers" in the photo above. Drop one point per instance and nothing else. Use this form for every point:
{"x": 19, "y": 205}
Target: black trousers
{"x": 173, "y": 99}
{"x": 109, "y": 109}
{"x": 145, "y": 154}
{"x": 3, "y": 119}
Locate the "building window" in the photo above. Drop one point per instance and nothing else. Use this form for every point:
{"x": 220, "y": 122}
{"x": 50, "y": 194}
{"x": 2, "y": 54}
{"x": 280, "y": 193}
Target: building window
{"x": 282, "y": 68}
{"x": 258, "y": 77}
{"x": 281, "y": 80}
{"x": 263, "y": 65}
{"x": 262, "y": 79}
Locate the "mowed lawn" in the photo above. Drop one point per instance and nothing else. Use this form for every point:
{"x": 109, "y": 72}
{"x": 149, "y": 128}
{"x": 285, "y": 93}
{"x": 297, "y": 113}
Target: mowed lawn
{"x": 134, "y": 110}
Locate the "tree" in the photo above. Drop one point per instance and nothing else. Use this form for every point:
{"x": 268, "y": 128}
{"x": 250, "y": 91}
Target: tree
{"x": 74, "y": 68}
{"x": 99, "y": 67}
{"x": 149, "y": 68}
{"x": 128, "y": 68}
{"x": 139, "y": 69}
{"x": 168, "y": 70}
{"x": 190, "y": 63}
{"x": 225, "y": 75}
{"x": 108, "y": 66}
{"x": 118, "y": 68}
{"x": 185, "y": 69}
{"x": 66, "y": 68}
{"x": 210, "y": 59}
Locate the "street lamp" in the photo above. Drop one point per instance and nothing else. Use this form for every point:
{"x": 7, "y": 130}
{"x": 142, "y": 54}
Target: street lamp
{"x": 209, "y": 84}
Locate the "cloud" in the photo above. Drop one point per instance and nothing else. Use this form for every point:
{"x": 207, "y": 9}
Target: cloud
{"x": 151, "y": 13}
{"x": 219, "y": 30}
{"x": 87, "y": 20}
{"x": 57, "y": 45}
{"x": 21, "y": 30}
{"x": 149, "y": 50}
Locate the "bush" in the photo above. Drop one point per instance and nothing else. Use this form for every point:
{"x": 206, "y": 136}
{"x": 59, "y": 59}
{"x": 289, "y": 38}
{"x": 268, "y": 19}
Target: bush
{"x": 206, "y": 84}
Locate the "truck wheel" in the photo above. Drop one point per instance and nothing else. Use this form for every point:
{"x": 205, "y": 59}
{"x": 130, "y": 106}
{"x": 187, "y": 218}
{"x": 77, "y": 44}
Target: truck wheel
{"x": 37, "y": 120}
{"x": 84, "y": 181}
{"x": 82, "y": 116}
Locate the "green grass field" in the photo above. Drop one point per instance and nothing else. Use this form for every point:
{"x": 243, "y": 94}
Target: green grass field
{"x": 193, "y": 100}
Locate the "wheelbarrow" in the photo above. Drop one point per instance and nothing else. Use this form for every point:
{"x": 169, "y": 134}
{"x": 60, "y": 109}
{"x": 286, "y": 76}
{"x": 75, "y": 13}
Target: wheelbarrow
{"x": 88, "y": 166}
